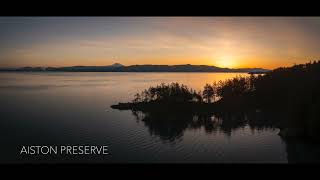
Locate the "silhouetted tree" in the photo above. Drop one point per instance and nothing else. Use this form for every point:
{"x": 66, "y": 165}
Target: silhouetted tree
{"x": 233, "y": 88}
{"x": 214, "y": 87}
{"x": 208, "y": 93}
{"x": 137, "y": 98}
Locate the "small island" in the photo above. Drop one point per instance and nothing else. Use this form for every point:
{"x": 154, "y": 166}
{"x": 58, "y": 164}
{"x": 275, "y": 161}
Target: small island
{"x": 289, "y": 95}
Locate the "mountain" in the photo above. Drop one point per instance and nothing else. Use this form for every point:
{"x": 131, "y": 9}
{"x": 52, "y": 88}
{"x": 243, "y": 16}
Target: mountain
{"x": 143, "y": 68}
{"x": 117, "y": 65}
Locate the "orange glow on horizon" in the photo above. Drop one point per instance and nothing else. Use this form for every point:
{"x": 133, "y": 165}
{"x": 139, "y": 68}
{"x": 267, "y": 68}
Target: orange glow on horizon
{"x": 222, "y": 62}
{"x": 227, "y": 42}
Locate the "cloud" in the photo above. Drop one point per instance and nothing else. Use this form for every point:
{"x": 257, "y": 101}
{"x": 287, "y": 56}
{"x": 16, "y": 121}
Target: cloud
{"x": 265, "y": 39}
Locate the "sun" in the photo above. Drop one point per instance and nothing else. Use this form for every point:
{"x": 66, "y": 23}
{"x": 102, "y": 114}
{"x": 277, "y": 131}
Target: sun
{"x": 226, "y": 62}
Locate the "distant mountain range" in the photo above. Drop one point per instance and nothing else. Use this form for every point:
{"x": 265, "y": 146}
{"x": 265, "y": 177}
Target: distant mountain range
{"x": 139, "y": 68}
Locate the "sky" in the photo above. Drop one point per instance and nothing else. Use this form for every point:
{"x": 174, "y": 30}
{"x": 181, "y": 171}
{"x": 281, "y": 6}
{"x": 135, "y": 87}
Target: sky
{"x": 234, "y": 42}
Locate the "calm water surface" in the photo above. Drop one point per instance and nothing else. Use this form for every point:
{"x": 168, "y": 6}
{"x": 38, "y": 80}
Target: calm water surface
{"x": 74, "y": 108}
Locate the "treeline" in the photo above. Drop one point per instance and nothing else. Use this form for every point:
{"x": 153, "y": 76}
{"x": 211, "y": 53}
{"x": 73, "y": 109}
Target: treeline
{"x": 292, "y": 92}
{"x": 174, "y": 92}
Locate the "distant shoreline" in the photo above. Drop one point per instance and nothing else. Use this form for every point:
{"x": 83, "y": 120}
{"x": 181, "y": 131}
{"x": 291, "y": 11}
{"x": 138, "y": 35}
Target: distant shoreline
{"x": 121, "y": 72}
{"x": 138, "y": 68}
{"x": 137, "y": 71}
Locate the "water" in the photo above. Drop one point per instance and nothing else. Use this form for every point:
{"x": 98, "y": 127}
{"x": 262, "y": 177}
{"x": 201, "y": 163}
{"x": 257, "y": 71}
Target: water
{"x": 74, "y": 108}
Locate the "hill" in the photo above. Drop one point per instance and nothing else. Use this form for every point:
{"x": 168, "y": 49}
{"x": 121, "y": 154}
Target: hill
{"x": 139, "y": 68}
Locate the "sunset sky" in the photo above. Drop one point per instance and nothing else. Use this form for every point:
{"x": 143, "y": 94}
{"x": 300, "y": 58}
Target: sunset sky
{"x": 234, "y": 42}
